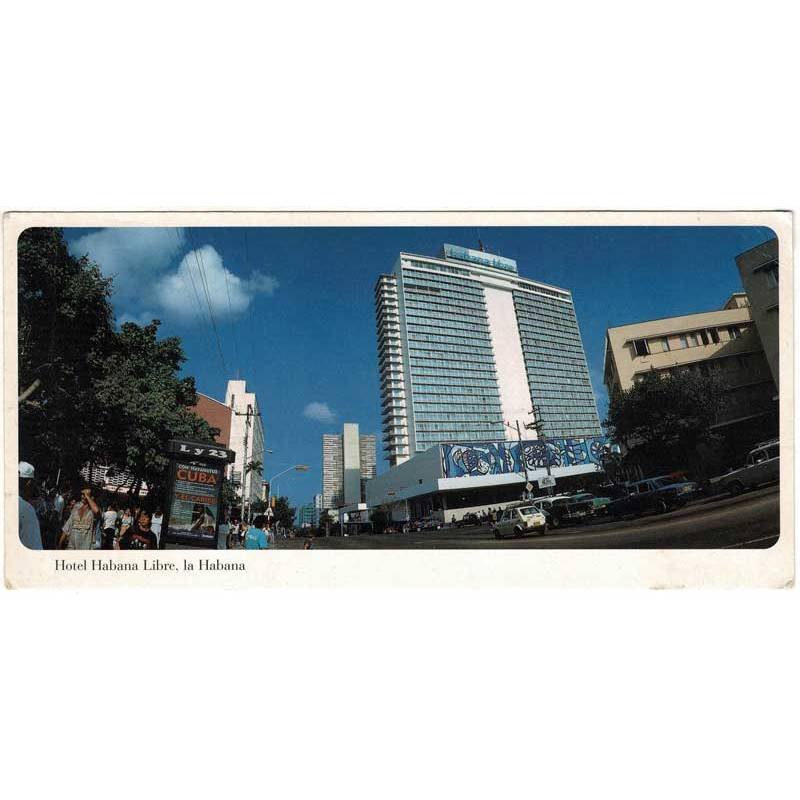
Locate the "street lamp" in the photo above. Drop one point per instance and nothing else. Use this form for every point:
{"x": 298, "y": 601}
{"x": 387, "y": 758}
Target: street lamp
{"x": 296, "y": 467}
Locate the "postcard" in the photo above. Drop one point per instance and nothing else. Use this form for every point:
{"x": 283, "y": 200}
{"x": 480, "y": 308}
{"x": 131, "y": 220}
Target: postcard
{"x": 398, "y": 399}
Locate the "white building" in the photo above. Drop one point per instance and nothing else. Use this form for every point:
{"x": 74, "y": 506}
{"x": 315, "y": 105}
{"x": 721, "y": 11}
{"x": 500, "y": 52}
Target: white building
{"x": 467, "y": 348}
{"x": 247, "y": 438}
{"x": 348, "y": 461}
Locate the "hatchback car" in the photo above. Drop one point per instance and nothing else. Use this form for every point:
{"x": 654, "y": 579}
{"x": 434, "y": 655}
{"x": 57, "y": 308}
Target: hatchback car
{"x": 519, "y": 520}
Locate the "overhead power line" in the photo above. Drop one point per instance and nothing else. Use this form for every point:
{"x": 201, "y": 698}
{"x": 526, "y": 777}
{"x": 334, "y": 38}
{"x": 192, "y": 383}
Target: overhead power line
{"x": 204, "y": 280}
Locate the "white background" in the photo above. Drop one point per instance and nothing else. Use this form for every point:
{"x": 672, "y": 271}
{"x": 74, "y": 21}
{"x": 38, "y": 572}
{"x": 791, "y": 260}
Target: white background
{"x": 399, "y": 106}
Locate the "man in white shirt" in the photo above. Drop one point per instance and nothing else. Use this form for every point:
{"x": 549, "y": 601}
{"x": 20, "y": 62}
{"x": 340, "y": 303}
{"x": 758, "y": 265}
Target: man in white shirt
{"x": 29, "y": 532}
{"x": 109, "y": 527}
{"x": 156, "y": 522}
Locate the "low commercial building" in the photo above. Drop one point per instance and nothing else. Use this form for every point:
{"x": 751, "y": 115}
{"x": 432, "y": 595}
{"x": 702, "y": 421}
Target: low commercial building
{"x": 758, "y": 268}
{"x": 217, "y": 415}
{"x": 450, "y": 480}
{"x": 724, "y": 343}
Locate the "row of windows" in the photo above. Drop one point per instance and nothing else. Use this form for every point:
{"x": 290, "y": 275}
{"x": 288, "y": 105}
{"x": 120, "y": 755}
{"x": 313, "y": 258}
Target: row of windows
{"x": 422, "y": 390}
{"x": 439, "y": 310}
{"x": 537, "y": 303}
{"x": 457, "y": 408}
{"x": 538, "y": 331}
{"x": 452, "y": 379}
{"x": 483, "y": 349}
{"x": 451, "y": 365}
{"x": 696, "y": 338}
{"x": 454, "y": 340}
{"x": 554, "y": 347}
{"x": 437, "y": 267}
{"x": 432, "y": 358}
{"x": 539, "y": 289}
{"x": 458, "y": 288}
{"x": 444, "y": 297}
{"x": 532, "y": 310}
{"x": 422, "y": 325}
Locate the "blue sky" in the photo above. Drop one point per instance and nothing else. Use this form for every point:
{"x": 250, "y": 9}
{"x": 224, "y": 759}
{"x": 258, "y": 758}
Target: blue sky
{"x": 294, "y": 307}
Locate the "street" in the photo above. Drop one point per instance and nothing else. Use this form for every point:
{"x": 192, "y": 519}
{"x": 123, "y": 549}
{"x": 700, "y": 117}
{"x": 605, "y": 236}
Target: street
{"x": 750, "y": 520}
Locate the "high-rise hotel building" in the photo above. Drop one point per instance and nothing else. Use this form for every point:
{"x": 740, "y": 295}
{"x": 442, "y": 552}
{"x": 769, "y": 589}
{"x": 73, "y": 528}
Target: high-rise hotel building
{"x": 466, "y": 345}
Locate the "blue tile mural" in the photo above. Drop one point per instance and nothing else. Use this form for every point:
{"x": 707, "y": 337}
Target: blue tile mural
{"x": 476, "y": 459}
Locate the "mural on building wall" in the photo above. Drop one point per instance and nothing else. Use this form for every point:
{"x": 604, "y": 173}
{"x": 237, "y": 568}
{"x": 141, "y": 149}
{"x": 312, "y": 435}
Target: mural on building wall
{"x": 500, "y": 458}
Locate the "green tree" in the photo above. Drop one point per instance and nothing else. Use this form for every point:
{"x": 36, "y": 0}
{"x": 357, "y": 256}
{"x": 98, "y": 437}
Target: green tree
{"x": 284, "y": 513}
{"x": 663, "y": 419}
{"x": 145, "y": 404}
{"x": 65, "y": 335}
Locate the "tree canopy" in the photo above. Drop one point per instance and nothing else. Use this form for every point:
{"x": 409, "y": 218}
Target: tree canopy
{"x": 65, "y": 335}
{"x": 88, "y": 393}
{"x": 662, "y": 418}
{"x": 144, "y": 403}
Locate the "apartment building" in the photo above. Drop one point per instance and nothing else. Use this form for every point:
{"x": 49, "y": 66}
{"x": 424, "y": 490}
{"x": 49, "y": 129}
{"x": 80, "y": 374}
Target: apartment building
{"x": 724, "y": 343}
{"x": 758, "y": 268}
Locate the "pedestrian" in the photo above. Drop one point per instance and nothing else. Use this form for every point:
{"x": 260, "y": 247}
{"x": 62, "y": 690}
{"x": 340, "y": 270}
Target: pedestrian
{"x": 156, "y": 522}
{"x": 126, "y": 520}
{"x": 223, "y": 534}
{"x": 139, "y": 535}
{"x": 58, "y": 505}
{"x": 256, "y": 537}
{"x": 78, "y": 530}
{"x": 109, "y": 526}
{"x": 30, "y": 533}
{"x": 307, "y": 545}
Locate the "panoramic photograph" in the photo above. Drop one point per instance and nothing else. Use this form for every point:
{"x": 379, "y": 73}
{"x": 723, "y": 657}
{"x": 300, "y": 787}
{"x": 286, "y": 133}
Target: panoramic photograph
{"x": 347, "y": 388}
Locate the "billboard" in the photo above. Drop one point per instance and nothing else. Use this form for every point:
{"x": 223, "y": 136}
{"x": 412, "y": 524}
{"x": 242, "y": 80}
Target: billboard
{"x": 479, "y": 257}
{"x": 195, "y": 487}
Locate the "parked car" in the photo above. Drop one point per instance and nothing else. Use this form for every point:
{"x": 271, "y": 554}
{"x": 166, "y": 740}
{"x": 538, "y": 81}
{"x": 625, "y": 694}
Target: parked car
{"x": 468, "y": 520}
{"x": 427, "y": 524}
{"x": 599, "y": 504}
{"x": 761, "y": 466}
{"x": 519, "y": 520}
{"x": 658, "y": 495}
{"x": 564, "y": 509}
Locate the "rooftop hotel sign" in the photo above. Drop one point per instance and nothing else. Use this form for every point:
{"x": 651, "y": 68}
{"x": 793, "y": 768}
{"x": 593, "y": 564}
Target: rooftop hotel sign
{"x": 479, "y": 257}
{"x": 194, "y": 488}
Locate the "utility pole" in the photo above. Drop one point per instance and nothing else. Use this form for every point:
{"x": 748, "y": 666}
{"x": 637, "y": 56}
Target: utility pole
{"x": 525, "y": 493}
{"x": 246, "y": 414}
{"x": 538, "y": 426}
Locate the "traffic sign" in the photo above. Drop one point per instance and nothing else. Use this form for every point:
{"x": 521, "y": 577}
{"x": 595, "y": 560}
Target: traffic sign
{"x": 270, "y": 513}
{"x": 547, "y": 481}
{"x": 528, "y": 487}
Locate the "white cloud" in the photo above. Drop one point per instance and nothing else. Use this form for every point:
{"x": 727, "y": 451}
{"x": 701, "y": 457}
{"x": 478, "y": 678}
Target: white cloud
{"x": 202, "y": 276}
{"x": 319, "y": 412}
{"x": 131, "y": 256}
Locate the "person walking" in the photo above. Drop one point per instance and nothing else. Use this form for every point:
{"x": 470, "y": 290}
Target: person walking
{"x": 139, "y": 535}
{"x": 30, "y": 533}
{"x": 156, "y": 522}
{"x": 109, "y": 527}
{"x": 78, "y": 530}
{"x": 256, "y": 537}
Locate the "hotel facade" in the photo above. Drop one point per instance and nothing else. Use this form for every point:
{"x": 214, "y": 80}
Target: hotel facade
{"x": 467, "y": 348}
{"x": 471, "y": 356}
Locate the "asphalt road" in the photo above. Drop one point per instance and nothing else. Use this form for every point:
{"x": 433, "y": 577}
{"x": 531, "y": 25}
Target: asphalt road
{"x": 750, "y": 520}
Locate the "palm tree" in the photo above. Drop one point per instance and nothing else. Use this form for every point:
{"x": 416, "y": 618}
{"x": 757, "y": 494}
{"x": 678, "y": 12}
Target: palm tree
{"x": 254, "y": 466}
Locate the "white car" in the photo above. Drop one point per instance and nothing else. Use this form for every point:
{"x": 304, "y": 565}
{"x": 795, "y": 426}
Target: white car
{"x": 519, "y": 520}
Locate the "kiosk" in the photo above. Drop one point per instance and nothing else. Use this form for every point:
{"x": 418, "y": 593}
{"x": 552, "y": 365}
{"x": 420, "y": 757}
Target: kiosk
{"x": 194, "y": 488}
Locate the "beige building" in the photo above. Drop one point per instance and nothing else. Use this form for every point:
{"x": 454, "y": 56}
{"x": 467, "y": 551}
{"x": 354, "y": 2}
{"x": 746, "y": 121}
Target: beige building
{"x": 758, "y": 268}
{"x": 724, "y": 343}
